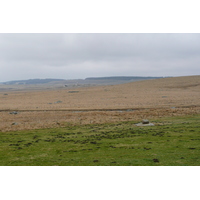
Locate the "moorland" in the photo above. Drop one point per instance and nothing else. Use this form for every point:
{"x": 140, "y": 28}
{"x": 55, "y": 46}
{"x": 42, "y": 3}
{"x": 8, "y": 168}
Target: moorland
{"x": 96, "y": 125}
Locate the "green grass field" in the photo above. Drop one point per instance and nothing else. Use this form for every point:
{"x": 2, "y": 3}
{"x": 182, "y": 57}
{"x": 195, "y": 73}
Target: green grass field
{"x": 171, "y": 142}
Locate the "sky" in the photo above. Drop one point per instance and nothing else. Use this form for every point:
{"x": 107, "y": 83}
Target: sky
{"x": 82, "y": 55}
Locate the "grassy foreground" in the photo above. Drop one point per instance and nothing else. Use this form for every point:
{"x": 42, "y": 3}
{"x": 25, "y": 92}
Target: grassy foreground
{"x": 172, "y": 142}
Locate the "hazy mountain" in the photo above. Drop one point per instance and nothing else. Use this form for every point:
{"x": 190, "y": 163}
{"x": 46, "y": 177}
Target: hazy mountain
{"x": 124, "y": 78}
{"x": 80, "y": 82}
{"x": 31, "y": 81}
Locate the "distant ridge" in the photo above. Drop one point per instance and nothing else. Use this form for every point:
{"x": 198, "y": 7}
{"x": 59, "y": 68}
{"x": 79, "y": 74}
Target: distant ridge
{"x": 31, "y": 81}
{"x": 111, "y": 80}
{"x": 122, "y": 78}
{"x": 48, "y": 80}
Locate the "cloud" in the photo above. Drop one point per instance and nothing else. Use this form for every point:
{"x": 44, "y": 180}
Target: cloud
{"x": 69, "y": 56}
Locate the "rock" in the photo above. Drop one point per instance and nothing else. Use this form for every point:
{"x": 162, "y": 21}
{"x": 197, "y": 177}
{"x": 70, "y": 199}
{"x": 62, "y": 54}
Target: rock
{"x": 145, "y": 121}
{"x": 58, "y": 102}
{"x": 14, "y": 123}
{"x": 14, "y": 113}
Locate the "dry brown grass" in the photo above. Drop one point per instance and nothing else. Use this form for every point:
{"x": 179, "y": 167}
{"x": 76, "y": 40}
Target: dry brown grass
{"x": 147, "y": 99}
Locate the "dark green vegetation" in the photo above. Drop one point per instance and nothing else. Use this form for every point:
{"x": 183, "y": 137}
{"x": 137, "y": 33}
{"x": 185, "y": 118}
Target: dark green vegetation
{"x": 172, "y": 142}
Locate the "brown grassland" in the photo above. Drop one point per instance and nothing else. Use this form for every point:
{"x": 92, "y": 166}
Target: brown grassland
{"x": 150, "y": 99}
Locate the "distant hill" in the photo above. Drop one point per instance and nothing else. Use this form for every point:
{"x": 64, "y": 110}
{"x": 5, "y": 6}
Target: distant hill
{"x": 31, "y": 81}
{"x": 119, "y": 78}
{"x": 113, "y": 80}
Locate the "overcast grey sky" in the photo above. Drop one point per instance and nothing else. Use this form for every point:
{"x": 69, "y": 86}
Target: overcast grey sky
{"x": 72, "y": 56}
